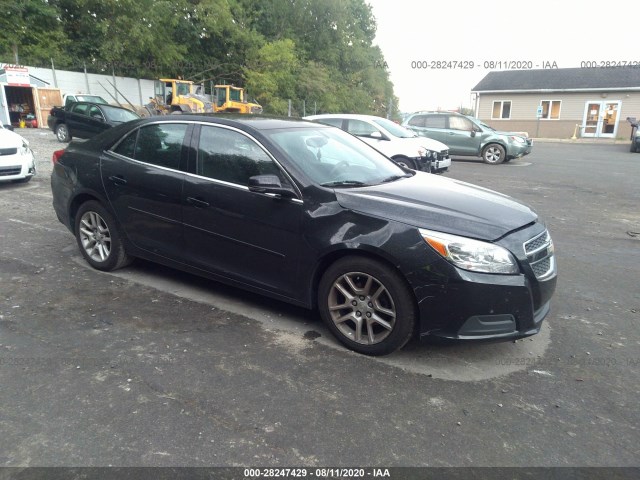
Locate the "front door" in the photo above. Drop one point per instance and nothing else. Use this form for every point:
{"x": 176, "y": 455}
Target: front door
{"x": 601, "y": 119}
{"x": 248, "y": 237}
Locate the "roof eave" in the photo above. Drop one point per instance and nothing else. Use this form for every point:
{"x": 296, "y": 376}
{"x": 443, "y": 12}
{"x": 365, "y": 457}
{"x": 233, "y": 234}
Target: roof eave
{"x": 561, "y": 90}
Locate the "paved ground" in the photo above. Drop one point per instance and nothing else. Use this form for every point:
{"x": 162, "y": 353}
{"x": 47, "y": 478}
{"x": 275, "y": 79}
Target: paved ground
{"x": 151, "y": 367}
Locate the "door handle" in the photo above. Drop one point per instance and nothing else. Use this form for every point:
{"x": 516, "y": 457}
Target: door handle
{"x": 196, "y": 202}
{"x": 118, "y": 180}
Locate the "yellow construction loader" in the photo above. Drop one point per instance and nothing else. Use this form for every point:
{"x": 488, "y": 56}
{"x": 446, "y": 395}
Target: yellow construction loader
{"x": 175, "y": 96}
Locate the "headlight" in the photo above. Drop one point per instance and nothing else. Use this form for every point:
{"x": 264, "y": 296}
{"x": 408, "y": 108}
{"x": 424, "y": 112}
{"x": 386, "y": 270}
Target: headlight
{"x": 517, "y": 139}
{"x": 471, "y": 254}
{"x": 24, "y": 149}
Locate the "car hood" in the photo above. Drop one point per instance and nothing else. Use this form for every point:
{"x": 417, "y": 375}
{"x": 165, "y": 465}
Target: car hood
{"x": 9, "y": 139}
{"x": 437, "y": 203}
{"x": 428, "y": 143}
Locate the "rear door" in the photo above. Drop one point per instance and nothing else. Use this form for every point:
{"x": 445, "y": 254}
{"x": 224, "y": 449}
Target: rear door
{"x": 461, "y": 137}
{"x": 143, "y": 178}
{"x": 244, "y": 236}
{"x": 432, "y": 126}
{"x": 77, "y": 120}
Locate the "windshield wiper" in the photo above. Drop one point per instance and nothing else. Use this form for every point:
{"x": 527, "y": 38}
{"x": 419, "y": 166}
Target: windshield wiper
{"x": 393, "y": 178}
{"x": 345, "y": 183}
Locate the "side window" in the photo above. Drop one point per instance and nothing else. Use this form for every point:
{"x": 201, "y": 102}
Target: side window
{"x": 358, "y": 127}
{"x": 80, "y": 108}
{"x": 232, "y": 157}
{"x": 161, "y": 144}
{"x": 460, "y": 123}
{"x": 94, "y": 112}
{"x": 417, "y": 121}
{"x": 334, "y": 122}
{"x": 435, "y": 121}
{"x": 127, "y": 146}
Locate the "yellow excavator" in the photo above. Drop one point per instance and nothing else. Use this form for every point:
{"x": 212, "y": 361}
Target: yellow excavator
{"x": 175, "y": 96}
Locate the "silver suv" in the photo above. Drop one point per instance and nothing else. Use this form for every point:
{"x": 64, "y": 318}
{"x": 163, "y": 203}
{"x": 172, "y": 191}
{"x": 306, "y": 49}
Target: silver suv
{"x": 468, "y": 136}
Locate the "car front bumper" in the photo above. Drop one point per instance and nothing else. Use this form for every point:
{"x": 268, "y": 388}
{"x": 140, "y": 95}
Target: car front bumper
{"x": 518, "y": 150}
{"x": 462, "y": 305}
{"x": 17, "y": 167}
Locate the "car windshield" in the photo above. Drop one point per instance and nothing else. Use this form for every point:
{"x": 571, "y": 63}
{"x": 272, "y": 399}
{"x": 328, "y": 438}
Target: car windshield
{"x": 395, "y": 129}
{"x": 119, "y": 115}
{"x": 333, "y": 158}
{"x": 484, "y": 125}
{"x": 91, "y": 98}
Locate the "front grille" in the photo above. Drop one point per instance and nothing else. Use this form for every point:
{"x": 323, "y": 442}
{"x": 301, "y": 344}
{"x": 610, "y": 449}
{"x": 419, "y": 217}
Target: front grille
{"x": 539, "y": 251}
{"x": 8, "y": 151}
{"x": 13, "y": 170}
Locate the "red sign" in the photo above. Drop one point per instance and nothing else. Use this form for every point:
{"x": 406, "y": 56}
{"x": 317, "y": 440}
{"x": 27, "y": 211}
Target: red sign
{"x": 17, "y": 76}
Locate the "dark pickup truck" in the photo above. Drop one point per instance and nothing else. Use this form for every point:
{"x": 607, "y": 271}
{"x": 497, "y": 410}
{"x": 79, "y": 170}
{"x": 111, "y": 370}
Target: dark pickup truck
{"x": 86, "y": 119}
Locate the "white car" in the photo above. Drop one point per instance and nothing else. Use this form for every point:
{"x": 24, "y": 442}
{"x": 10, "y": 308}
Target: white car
{"x": 17, "y": 162}
{"x": 396, "y": 142}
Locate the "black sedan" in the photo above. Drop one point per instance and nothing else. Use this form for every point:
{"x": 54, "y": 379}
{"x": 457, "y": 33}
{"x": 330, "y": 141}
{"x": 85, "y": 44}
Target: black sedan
{"x": 310, "y": 215}
{"x": 86, "y": 119}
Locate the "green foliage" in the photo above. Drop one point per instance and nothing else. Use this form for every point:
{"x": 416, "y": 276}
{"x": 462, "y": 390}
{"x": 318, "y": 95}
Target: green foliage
{"x": 318, "y": 51}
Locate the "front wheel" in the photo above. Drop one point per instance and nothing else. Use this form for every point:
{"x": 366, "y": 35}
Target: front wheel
{"x": 99, "y": 239}
{"x": 367, "y": 305}
{"x": 493, "y": 154}
{"x": 62, "y": 133}
{"x": 405, "y": 162}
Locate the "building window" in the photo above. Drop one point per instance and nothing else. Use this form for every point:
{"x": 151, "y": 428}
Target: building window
{"x": 550, "y": 109}
{"x": 501, "y": 110}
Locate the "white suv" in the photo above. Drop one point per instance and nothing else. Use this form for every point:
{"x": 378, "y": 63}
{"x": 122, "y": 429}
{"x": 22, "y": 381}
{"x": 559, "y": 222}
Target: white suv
{"x": 393, "y": 140}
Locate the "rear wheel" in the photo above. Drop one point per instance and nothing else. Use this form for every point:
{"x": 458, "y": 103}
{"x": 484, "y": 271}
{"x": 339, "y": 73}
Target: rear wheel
{"x": 98, "y": 238}
{"x": 62, "y": 133}
{"x": 493, "y": 154}
{"x": 367, "y": 305}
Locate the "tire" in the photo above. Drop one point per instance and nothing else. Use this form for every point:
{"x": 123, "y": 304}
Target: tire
{"x": 405, "y": 162}
{"x": 507, "y": 160}
{"x": 99, "y": 239}
{"x": 355, "y": 289}
{"x": 62, "y": 133}
{"x": 634, "y": 148}
{"x": 493, "y": 154}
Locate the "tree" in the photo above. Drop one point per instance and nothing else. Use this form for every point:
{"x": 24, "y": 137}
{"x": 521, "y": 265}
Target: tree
{"x": 32, "y": 31}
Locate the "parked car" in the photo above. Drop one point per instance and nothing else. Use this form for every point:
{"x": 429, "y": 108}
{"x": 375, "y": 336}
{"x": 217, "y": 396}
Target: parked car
{"x": 468, "y": 136}
{"x": 17, "y": 162}
{"x": 86, "y": 119}
{"x": 393, "y": 140}
{"x": 310, "y": 215}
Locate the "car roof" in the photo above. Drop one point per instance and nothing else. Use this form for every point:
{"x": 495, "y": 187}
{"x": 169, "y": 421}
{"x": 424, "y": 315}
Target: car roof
{"x": 350, "y": 116}
{"x": 255, "y": 122}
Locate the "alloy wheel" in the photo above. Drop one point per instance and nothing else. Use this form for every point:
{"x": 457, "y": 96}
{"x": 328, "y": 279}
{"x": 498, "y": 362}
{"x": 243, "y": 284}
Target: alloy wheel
{"x": 362, "y": 308}
{"x": 95, "y": 236}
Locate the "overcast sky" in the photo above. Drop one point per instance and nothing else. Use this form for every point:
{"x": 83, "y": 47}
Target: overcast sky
{"x": 560, "y": 31}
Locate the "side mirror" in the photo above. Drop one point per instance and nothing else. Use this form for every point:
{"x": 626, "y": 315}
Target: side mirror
{"x": 376, "y": 135}
{"x": 473, "y": 133}
{"x": 269, "y": 184}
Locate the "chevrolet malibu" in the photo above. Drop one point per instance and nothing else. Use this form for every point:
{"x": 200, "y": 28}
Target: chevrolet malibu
{"x": 310, "y": 215}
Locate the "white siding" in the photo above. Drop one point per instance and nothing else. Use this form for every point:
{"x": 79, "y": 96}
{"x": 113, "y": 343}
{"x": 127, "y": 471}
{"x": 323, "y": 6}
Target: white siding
{"x": 76, "y": 82}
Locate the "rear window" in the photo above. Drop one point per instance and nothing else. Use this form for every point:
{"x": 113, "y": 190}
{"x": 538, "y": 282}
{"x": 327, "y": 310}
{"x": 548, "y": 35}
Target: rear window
{"x": 159, "y": 144}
